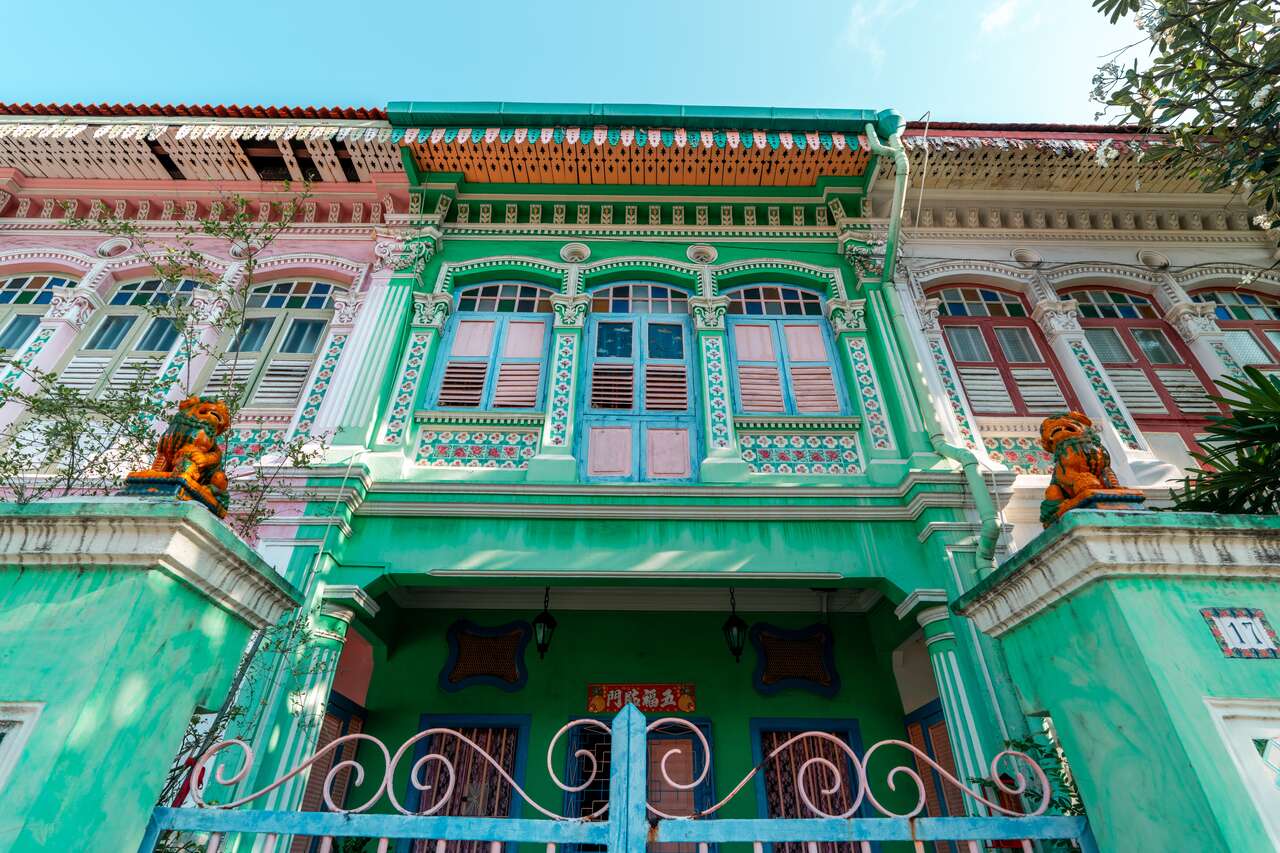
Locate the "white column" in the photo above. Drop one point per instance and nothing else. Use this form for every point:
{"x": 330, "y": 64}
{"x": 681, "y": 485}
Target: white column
{"x": 957, "y": 709}
{"x": 1131, "y": 456}
{"x": 1197, "y": 324}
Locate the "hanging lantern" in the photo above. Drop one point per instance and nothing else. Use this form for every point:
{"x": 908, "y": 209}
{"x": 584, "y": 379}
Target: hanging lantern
{"x": 735, "y": 630}
{"x": 544, "y": 625}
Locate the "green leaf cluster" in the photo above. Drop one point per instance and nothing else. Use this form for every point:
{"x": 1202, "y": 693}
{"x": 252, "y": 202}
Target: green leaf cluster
{"x": 1212, "y": 89}
{"x": 1240, "y": 463}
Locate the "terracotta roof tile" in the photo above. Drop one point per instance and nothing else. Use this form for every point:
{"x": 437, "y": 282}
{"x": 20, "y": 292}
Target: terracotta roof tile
{"x": 191, "y": 111}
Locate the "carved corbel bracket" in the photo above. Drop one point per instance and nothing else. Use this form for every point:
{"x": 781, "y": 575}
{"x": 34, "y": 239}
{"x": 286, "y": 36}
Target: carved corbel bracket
{"x": 431, "y": 310}
{"x": 406, "y": 251}
{"x": 1193, "y": 319}
{"x": 847, "y": 315}
{"x": 72, "y": 307}
{"x": 570, "y": 310}
{"x": 1056, "y": 317}
{"x": 709, "y": 312}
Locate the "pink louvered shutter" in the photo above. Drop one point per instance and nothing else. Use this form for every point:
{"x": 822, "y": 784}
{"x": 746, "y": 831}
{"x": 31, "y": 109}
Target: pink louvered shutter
{"x": 759, "y": 375}
{"x": 467, "y": 369}
{"x": 520, "y": 365}
{"x": 809, "y": 366}
{"x": 612, "y": 386}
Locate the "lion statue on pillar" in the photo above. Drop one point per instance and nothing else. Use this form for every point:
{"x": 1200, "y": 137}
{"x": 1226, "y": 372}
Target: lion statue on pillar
{"x": 188, "y": 463}
{"x": 1082, "y": 474}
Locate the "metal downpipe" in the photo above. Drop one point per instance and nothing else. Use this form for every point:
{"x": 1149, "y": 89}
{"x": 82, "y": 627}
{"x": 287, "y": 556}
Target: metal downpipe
{"x": 989, "y": 533}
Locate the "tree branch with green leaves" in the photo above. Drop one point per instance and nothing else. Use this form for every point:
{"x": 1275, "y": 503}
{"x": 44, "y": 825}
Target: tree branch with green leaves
{"x": 1211, "y": 90}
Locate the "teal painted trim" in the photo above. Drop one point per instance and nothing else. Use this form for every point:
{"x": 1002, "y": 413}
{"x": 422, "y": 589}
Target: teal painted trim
{"x": 628, "y": 791}
{"x": 381, "y": 825}
{"x": 872, "y": 829}
{"x": 1139, "y": 519}
{"x": 565, "y": 832}
{"x": 512, "y": 114}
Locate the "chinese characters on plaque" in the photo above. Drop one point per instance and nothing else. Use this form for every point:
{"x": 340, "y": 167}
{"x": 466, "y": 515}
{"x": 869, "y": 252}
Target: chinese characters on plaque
{"x": 649, "y": 698}
{"x": 1242, "y": 632}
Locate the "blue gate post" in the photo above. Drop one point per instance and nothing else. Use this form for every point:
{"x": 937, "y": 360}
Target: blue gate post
{"x": 628, "y": 829}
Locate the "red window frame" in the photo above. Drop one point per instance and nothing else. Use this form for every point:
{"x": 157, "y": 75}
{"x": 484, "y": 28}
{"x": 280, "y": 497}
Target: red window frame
{"x": 987, "y": 325}
{"x": 1188, "y": 425}
{"x": 1259, "y": 328}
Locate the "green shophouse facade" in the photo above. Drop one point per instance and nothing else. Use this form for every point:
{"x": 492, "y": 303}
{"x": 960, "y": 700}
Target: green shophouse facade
{"x": 655, "y": 373}
{"x": 644, "y": 359}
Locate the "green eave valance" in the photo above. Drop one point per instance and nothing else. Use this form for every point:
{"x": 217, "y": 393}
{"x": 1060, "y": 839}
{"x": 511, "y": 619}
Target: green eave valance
{"x": 404, "y": 114}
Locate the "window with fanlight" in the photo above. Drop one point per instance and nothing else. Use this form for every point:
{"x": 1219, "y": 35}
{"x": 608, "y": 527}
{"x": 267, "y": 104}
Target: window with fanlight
{"x": 495, "y": 349}
{"x": 266, "y": 361}
{"x": 638, "y": 419}
{"x": 23, "y": 301}
{"x": 127, "y": 344}
{"x": 1250, "y": 322}
{"x": 1151, "y": 368}
{"x": 1003, "y": 360}
{"x": 782, "y": 354}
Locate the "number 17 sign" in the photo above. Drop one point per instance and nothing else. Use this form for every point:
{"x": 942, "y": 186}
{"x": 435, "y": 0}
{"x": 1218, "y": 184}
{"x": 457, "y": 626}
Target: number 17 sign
{"x": 1242, "y": 632}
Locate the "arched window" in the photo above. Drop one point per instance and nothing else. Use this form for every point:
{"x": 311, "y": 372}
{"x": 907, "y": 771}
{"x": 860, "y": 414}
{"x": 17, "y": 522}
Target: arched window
{"x": 638, "y": 415}
{"x": 1249, "y": 321}
{"x": 1004, "y": 362}
{"x": 1153, "y": 371}
{"x": 782, "y": 352}
{"x": 496, "y": 347}
{"x": 268, "y": 359}
{"x": 23, "y": 300}
{"x": 127, "y": 345}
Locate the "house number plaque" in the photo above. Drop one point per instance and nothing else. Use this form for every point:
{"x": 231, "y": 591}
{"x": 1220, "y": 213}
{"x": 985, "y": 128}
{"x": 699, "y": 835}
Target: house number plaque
{"x": 1242, "y": 632}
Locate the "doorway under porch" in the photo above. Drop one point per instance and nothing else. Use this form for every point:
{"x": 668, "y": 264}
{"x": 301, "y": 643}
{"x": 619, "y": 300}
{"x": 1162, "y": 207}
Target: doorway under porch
{"x": 838, "y": 661}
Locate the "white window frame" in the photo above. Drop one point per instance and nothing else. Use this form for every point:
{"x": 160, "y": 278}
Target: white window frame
{"x": 282, "y": 319}
{"x": 1240, "y": 722}
{"x": 143, "y": 318}
{"x": 24, "y": 715}
{"x": 12, "y": 309}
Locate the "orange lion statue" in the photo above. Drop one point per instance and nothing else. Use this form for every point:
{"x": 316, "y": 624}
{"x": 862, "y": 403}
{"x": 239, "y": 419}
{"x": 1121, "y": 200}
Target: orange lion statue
{"x": 1082, "y": 474}
{"x": 188, "y": 461}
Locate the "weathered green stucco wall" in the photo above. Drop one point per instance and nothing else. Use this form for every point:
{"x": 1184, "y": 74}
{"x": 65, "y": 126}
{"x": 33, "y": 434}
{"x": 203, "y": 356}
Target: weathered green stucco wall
{"x": 1124, "y": 666}
{"x": 637, "y": 647}
{"x": 121, "y": 660}
{"x": 120, "y": 655}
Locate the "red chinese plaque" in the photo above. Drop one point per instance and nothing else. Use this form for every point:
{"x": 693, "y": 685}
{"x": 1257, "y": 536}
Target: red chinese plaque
{"x": 649, "y": 698}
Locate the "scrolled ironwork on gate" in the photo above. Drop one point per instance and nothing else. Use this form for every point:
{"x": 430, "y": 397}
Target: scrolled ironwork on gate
{"x": 626, "y": 822}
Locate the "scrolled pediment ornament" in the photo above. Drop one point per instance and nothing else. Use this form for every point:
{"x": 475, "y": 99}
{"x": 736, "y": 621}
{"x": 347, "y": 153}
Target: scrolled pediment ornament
{"x": 709, "y": 311}
{"x": 847, "y": 315}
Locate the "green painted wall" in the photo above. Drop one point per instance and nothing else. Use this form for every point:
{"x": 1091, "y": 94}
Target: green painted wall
{"x": 636, "y": 647}
{"x": 394, "y": 549}
{"x": 121, "y": 657}
{"x": 1124, "y": 666}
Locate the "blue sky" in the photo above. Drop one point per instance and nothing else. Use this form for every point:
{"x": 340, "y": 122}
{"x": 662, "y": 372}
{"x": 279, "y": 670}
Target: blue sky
{"x": 966, "y": 60}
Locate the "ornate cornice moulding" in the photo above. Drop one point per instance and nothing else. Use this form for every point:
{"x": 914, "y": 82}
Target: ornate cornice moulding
{"x": 1089, "y": 546}
{"x": 148, "y": 535}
